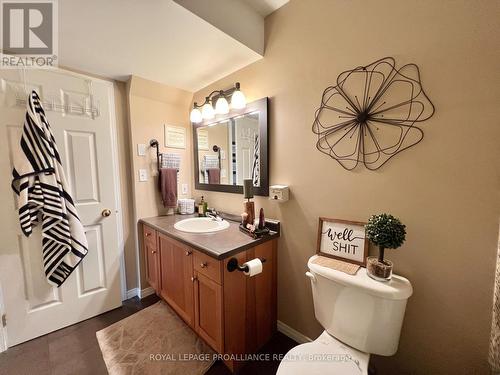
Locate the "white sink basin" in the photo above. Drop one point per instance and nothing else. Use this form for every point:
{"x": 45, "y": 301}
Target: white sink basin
{"x": 201, "y": 225}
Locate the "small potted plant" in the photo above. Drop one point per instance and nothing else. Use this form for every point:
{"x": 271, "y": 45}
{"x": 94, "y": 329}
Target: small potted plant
{"x": 386, "y": 232}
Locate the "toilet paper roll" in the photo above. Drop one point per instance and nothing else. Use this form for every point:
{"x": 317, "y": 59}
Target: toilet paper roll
{"x": 254, "y": 267}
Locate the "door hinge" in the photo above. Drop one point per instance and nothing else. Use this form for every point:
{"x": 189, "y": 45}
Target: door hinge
{"x": 4, "y": 320}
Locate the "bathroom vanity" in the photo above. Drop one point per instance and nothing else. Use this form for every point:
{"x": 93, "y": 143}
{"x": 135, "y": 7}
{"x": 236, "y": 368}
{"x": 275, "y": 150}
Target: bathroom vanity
{"x": 234, "y": 313}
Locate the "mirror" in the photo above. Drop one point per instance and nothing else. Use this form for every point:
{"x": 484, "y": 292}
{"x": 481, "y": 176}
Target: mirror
{"x": 232, "y": 148}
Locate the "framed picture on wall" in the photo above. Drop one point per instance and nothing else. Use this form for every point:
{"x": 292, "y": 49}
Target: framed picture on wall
{"x": 202, "y": 135}
{"x": 175, "y": 136}
{"x": 343, "y": 240}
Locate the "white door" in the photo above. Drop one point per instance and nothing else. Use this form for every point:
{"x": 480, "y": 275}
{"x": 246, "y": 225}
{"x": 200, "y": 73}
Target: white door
{"x": 246, "y": 128}
{"x": 81, "y": 114}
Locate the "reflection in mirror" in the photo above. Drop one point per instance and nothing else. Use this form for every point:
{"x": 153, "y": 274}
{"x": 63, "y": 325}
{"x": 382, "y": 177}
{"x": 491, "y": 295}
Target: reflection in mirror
{"x": 231, "y": 149}
{"x": 228, "y": 151}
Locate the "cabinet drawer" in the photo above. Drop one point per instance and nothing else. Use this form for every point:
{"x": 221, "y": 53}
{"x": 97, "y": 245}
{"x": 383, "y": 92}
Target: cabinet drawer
{"x": 208, "y": 266}
{"x": 149, "y": 236}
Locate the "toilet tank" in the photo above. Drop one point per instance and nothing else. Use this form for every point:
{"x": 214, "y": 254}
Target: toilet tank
{"x": 361, "y": 312}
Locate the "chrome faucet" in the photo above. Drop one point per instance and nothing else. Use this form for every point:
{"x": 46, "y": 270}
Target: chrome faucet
{"x": 212, "y": 213}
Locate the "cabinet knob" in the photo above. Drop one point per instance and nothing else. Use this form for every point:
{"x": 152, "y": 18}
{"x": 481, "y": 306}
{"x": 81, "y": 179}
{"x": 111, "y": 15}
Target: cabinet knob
{"x": 148, "y": 234}
{"x": 203, "y": 265}
{"x": 189, "y": 252}
{"x": 153, "y": 251}
{"x": 193, "y": 278}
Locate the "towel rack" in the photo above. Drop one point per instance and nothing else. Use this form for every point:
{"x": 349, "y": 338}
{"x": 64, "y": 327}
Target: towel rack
{"x": 90, "y": 107}
{"x": 210, "y": 161}
{"x": 170, "y": 160}
{"x": 166, "y": 160}
{"x": 154, "y": 143}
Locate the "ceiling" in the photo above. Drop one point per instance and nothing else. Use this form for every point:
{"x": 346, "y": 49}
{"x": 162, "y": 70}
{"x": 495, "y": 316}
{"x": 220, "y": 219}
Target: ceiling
{"x": 159, "y": 40}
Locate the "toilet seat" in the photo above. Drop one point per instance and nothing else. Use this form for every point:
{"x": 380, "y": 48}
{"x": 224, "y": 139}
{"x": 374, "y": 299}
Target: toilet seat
{"x": 325, "y": 355}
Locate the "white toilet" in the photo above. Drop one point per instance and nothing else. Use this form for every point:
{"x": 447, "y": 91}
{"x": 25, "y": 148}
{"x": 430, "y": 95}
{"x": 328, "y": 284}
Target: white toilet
{"x": 361, "y": 316}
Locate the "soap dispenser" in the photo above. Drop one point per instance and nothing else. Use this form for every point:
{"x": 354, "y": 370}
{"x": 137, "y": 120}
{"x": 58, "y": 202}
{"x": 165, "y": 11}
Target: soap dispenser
{"x": 202, "y": 207}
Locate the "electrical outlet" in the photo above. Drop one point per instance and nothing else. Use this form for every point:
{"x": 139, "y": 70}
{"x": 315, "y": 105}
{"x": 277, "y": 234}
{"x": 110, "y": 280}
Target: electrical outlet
{"x": 141, "y": 149}
{"x": 184, "y": 189}
{"x": 143, "y": 175}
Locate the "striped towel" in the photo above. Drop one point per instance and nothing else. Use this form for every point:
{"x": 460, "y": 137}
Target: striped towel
{"x": 39, "y": 182}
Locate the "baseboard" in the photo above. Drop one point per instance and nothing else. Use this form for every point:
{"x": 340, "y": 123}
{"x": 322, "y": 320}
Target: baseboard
{"x": 132, "y": 293}
{"x": 3, "y": 340}
{"x": 146, "y": 292}
{"x": 3, "y": 330}
{"x": 293, "y": 334}
{"x": 141, "y": 293}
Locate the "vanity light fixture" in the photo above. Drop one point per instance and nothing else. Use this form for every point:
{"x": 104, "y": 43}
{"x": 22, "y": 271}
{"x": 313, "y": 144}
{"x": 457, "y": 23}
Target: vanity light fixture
{"x": 219, "y": 97}
{"x": 207, "y": 111}
{"x": 238, "y": 100}
{"x": 222, "y": 106}
{"x": 196, "y": 115}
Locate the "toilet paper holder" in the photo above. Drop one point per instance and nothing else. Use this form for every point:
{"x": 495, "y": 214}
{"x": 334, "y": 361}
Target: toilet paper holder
{"x": 233, "y": 265}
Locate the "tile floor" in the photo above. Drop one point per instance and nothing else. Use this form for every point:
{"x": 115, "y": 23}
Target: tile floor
{"x": 74, "y": 350}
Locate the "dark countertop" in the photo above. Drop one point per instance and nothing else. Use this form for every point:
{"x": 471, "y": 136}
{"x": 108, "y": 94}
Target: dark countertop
{"x": 219, "y": 245}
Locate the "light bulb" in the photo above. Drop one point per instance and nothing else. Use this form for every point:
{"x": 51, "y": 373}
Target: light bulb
{"x": 221, "y": 106}
{"x": 195, "y": 116}
{"x": 238, "y": 100}
{"x": 207, "y": 111}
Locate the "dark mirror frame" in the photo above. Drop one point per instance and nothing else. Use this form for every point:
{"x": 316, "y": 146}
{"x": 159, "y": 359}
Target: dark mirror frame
{"x": 262, "y": 190}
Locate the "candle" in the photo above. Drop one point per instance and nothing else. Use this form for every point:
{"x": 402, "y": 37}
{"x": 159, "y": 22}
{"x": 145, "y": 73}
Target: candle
{"x": 248, "y": 188}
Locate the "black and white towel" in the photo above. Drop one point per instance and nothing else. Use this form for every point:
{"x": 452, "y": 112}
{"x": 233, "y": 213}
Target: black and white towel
{"x": 256, "y": 161}
{"x": 39, "y": 182}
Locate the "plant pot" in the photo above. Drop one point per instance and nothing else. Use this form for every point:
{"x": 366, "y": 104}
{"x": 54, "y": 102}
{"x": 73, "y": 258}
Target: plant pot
{"x": 381, "y": 271}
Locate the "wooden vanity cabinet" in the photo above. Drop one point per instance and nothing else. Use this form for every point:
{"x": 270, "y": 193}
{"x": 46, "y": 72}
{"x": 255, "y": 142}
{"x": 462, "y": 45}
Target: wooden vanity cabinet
{"x": 235, "y": 314}
{"x": 208, "y": 311}
{"x": 208, "y": 299}
{"x": 250, "y": 304}
{"x": 176, "y": 277}
{"x": 151, "y": 258}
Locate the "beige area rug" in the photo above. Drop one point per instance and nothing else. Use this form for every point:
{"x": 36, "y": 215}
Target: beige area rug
{"x": 153, "y": 341}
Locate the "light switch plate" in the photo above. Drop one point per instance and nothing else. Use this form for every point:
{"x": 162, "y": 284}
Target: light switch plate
{"x": 143, "y": 175}
{"x": 184, "y": 189}
{"x": 141, "y": 149}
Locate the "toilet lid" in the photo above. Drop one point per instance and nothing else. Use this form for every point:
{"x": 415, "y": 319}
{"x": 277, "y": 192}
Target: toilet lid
{"x": 325, "y": 355}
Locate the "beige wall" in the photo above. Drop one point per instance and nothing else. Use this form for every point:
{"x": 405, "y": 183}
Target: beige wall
{"x": 151, "y": 105}
{"x": 446, "y": 189}
{"x": 122, "y": 128}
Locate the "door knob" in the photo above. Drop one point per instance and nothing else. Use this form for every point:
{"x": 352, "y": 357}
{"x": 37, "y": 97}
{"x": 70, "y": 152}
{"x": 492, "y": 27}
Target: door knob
{"x": 106, "y": 212}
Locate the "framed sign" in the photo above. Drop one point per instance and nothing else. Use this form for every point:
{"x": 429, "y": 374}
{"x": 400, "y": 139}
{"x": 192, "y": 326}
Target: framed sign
{"x": 202, "y": 139}
{"x": 175, "y": 136}
{"x": 343, "y": 240}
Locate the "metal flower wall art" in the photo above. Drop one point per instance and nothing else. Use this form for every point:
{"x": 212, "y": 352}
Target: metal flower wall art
{"x": 370, "y": 115}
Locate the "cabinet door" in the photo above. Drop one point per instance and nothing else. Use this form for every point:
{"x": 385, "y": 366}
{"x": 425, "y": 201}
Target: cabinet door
{"x": 151, "y": 257}
{"x": 208, "y": 311}
{"x": 176, "y": 277}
